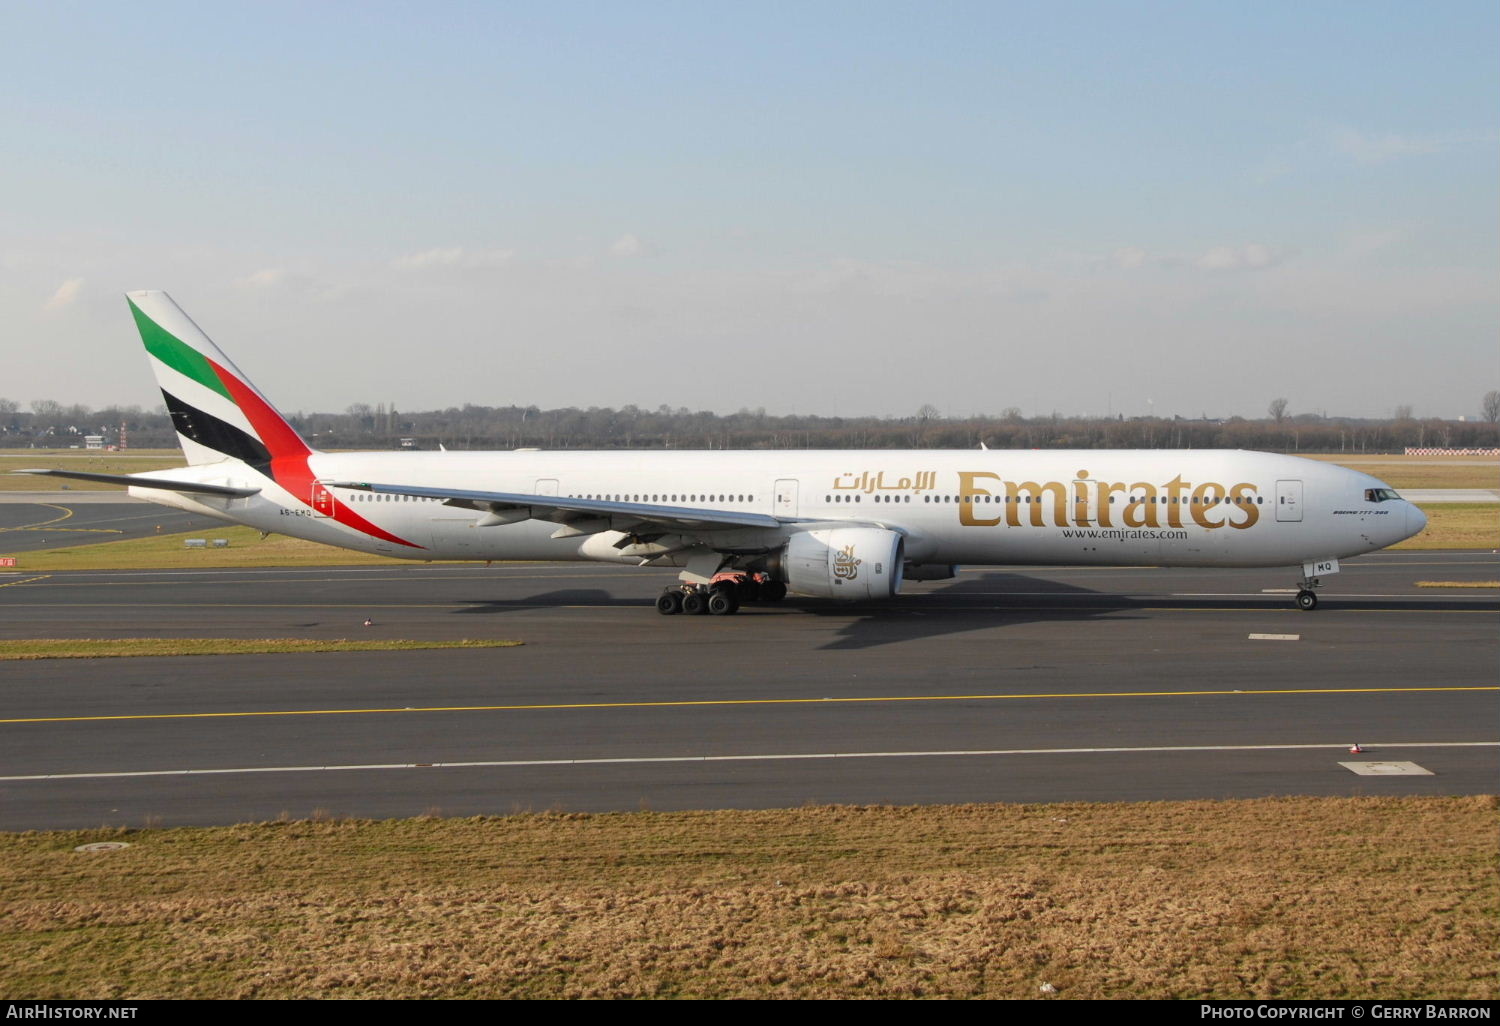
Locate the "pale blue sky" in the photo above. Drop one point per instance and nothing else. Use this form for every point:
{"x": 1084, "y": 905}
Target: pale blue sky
{"x": 815, "y": 207}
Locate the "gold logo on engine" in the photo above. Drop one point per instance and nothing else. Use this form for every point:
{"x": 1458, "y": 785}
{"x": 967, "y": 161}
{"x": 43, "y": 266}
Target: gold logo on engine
{"x": 845, "y": 566}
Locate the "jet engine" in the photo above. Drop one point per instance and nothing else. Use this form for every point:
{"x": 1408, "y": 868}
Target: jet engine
{"x": 849, "y": 563}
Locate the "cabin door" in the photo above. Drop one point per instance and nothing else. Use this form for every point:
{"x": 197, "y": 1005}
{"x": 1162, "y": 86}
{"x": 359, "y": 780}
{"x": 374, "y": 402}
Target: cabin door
{"x": 321, "y": 501}
{"x": 785, "y": 502}
{"x": 1289, "y": 501}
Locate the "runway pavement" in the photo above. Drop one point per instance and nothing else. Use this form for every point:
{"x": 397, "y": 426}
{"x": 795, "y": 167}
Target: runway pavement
{"x": 1035, "y": 685}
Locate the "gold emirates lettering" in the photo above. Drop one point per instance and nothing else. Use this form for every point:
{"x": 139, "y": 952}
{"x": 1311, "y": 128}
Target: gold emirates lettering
{"x": 1085, "y": 502}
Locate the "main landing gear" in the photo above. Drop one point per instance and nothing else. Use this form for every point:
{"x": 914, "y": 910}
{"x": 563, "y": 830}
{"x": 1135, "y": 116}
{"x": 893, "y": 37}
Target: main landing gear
{"x": 720, "y": 597}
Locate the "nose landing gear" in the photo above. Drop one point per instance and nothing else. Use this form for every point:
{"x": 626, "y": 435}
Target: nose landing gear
{"x": 1307, "y": 598}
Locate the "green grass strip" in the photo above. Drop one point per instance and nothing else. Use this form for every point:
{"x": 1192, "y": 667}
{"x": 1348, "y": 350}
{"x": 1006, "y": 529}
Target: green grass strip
{"x": 101, "y": 648}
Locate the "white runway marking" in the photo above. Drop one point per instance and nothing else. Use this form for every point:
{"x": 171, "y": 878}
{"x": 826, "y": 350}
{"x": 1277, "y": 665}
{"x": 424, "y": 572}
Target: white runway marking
{"x": 1387, "y": 769}
{"x": 1275, "y": 637}
{"x": 643, "y": 761}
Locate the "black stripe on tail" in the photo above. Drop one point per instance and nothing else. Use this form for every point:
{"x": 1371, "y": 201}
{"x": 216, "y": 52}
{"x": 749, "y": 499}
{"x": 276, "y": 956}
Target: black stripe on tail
{"x": 211, "y": 432}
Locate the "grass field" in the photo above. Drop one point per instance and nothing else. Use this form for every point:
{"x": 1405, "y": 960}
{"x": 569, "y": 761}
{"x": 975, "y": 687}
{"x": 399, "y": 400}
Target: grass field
{"x": 93, "y": 462}
{"x": 167, "y": 552}
{"x": 1458, "y": 525}
{"x": 1273, "y": 898}
{"x": 1425, "y": 471}
{"x": 99, "y": 648}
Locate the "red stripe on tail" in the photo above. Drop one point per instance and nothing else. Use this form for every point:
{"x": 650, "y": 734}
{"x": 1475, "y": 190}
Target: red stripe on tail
{"x": 289, "y": 455}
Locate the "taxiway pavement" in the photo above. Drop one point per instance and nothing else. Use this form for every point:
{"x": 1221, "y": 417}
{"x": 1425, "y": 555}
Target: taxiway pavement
{"x": 1042, "y": 684}
{"x": 33, "y": 521}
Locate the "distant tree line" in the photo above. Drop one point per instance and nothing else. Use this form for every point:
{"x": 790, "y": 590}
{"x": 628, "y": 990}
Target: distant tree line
{"x": 46, "y": 423}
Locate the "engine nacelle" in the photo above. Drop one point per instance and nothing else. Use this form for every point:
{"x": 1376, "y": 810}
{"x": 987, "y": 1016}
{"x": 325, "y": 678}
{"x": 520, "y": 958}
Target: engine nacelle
{"x": 849, "y": 563}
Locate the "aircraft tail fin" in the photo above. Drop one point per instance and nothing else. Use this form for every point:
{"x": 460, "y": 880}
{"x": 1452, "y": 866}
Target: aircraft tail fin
{"x": 218, "y": 414}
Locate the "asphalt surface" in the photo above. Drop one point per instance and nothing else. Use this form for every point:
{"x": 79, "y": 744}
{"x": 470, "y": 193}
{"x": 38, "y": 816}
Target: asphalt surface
{"x": 32, "y": 521}
{"x": 1036, "y": 685}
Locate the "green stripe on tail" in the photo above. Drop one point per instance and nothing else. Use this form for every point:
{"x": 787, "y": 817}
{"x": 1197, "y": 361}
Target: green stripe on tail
{"x": 176, "y": 354}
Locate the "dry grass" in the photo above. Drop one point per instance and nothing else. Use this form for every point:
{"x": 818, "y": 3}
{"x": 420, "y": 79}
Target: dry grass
{"x": 97, "y": 648}
{"x": 1275, "y": 898}
{"x": 1458, "y": 525}
{"x": 167, "y": 552}
{"x": 134, "y": 462}
{"x": 1424, "y": 471}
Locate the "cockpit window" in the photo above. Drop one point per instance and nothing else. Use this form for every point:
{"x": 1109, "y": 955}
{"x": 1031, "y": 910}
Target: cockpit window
{"x": 1380, "y": 494}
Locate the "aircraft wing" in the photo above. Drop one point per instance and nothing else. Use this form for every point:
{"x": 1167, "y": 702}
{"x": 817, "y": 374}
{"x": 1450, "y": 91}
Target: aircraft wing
{"x": 132, "y": 480}
{"x": 583, "y": 515}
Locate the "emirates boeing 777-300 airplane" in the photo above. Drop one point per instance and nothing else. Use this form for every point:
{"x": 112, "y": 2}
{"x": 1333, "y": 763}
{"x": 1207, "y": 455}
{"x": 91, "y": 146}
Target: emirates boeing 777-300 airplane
{"x": 751, "y": 526}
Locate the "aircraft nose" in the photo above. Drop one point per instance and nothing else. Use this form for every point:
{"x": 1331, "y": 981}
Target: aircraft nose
{"x": 1416, "y": 520}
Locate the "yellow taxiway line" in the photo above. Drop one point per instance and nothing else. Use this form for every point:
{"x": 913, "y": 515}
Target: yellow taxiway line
{"x": 44, "y": 525}
{"x": 690, "y": 703}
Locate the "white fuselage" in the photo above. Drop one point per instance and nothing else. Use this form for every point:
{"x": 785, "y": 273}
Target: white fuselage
{"x": 981, "y": 507}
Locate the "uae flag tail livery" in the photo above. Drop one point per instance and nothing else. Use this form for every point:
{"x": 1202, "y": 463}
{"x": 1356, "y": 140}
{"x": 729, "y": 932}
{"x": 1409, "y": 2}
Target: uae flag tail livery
{"x": 218, "y": 414}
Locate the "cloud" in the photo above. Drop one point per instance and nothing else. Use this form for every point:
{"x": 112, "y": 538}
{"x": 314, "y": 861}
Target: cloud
{"x": 278, "y": 278}
{"x": 1346, "y": 144}
{"x": 1365, "y": 148}
{"x": 65, "y": 294}
{"x": 627, "y": 246}
{"x": 453, "y": 257}
{"x": 1373, "y": 242}
{"x": 1251, "y": 257}
{"x": 1271, "y": 168}
{"x": 269, "y": 278}
{"x": 1379, "y": 149}
{"x": 1129, "y": 257}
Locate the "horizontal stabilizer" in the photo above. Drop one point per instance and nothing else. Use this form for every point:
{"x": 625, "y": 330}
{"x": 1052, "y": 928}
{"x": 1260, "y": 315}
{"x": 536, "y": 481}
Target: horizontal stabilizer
{"x": 130, "y": 480}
